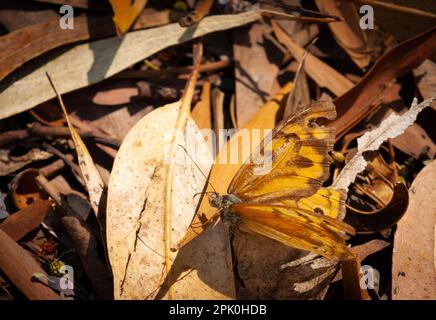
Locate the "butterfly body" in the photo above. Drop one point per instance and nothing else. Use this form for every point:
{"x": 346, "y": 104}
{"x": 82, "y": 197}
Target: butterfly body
{"x": 224, "y": 203}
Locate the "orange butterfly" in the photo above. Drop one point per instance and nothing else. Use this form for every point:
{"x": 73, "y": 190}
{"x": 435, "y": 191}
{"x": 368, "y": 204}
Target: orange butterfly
{"x": 289, "y": 204}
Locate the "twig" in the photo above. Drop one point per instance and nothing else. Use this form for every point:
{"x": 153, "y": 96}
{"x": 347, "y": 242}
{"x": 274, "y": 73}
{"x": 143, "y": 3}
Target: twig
{"x": 74, "y": 167}
{"x": 54, "y": 167}
{"x": 202, "y": 9}
{"x": 171, "y": 72}
{"x": 36, "y": 129}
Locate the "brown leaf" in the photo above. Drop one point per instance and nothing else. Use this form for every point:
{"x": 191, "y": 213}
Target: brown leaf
{"x": 348, "y": 33}
{"x": 414, "y": 270}
{"x": 255, "y": 73}
{"x": 357, "y": 103}
{"x": 19, "y": 266}
{"x": 27, "y": 219}
{"x": 324, "y": 75}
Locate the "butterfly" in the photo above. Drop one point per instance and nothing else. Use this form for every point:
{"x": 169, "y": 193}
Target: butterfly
{"x": 288, "y": 203}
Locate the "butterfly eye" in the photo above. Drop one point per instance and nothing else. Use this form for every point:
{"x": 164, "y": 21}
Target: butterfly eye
{"x": 318, "y": 210}
{"x": 313, "y": 123}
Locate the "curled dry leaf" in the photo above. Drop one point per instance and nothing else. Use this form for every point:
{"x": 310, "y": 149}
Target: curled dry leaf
{"x": 24, "y": 189}
{"x": 392, "y": 127}
{"x": 91, "y": 176}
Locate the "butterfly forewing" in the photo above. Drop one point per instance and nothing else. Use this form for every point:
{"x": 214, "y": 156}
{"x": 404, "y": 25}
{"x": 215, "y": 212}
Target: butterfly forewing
{"x": 288, "y": 203}
{"x": 300, "y": 160}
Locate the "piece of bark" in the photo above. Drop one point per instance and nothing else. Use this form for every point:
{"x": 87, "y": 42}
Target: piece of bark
{"x": 22, "y": 222}
{"x": 36, "y": 129}
{"x": 19, "y": 266}
{"x": 414, "y": 269}
{"x": 255, "y": 73}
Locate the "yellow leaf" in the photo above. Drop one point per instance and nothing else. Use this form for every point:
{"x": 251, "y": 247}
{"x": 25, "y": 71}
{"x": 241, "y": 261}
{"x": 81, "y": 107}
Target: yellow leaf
{"x": 126, "y": 11}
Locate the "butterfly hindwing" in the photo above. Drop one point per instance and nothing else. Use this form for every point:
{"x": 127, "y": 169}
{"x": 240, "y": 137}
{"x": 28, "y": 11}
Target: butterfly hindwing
{"x": 296, "y": 227}
{"x": 288, "y": 203}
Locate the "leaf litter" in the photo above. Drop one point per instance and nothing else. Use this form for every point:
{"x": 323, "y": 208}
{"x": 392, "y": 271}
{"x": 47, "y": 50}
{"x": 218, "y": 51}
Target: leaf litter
{"x": 132, "y": 152}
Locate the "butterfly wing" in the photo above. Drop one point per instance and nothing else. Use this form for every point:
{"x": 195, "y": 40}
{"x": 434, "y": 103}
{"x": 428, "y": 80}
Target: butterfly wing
{"x": 295, "y": 158}
{"x": 287, "y": 202}
{"x": 296, "y": 227}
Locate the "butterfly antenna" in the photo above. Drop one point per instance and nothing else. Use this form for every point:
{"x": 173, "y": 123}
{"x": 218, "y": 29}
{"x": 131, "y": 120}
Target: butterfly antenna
{"x": 207, "y": 178}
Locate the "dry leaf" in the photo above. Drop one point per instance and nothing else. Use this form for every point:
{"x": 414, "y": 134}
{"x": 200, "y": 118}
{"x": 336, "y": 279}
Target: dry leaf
{"x": 390, "y": 128}
{"x": 375, "y": 86}
{"x": 126, "y": 13}
{"x": 348, "y": 33}
{"x": 201, "y": 113}
{"x": 255, "y": 71}
{"x": 222, "y": 174}
{"x": 413, "y": 269}
{"x": 90, "y": 173}
{"x": 300, "y": 95}
{"x": 135, "y": 211}
{"x": 324, "y": 75}
{"x": 268, "y": 269}
{"x": 79, "y": 66}
{"x": 161, "y": 165}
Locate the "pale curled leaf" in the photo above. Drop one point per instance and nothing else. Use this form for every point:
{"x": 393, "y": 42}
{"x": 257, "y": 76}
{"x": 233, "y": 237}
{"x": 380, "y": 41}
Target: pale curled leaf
{"x": 93, "y": 181}
{"x": 136, "y": 211}
{"x": 390, "y": 128}
{"x": 92, "y": 62}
